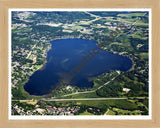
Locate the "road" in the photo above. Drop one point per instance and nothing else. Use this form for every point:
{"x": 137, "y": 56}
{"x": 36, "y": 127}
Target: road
{"x": 91, "y": 99}
{"x": 30, "y": 52}
{"x": 96, "y": 18}
{"x": 114, "y": 98}
{"x": 92, "y": 14}
{"x": 88, "y": 91}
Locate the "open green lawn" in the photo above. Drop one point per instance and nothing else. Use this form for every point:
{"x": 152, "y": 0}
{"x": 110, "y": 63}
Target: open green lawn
{"x": 132, "y": 101}
{"x": 82, "y": 95}
{"x": 144, "y": 55}
{"x": 126, "y": 112}
{"x": 131, "y": 14}
{"x": 122, "y": 104}
{"x": 141, "y": 24}
{"x": 76, "y": 27}
{"x": 86, "y": 113}
{"x": 37, "y": 66}
{"x": 110, "y": 112}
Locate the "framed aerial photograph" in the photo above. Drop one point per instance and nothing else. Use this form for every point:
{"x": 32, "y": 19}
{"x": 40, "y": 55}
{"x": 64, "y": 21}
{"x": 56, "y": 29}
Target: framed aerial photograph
{"x": 79, "y": 65}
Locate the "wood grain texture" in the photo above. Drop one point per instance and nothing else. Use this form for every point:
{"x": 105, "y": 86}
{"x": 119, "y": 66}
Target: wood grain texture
{"x": 6, "y": 4}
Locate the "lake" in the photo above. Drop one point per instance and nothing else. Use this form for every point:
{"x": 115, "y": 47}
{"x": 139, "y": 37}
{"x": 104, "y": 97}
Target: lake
{"x": 75, "y": 62}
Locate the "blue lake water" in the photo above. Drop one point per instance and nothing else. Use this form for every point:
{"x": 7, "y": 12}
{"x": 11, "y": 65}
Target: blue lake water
{"x": 79, "y": 58}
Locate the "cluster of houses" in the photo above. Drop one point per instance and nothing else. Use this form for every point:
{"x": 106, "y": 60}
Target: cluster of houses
{"x": 62, "y": 110}
{"x": 48, "y": 111}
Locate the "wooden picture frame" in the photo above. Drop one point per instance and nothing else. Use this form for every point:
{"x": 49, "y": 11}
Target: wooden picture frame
{"x": 4, "y": 71}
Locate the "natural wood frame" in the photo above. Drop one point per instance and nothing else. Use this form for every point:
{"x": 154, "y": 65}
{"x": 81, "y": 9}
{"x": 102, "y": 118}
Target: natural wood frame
{"x": 6, "y": 4}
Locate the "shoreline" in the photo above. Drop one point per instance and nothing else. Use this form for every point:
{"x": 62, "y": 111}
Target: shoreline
{"x": 105, "y": 48}
{"x": 45, "y": 60}
{"x": 43, "y": 65}
{"x": 133, "y": 64}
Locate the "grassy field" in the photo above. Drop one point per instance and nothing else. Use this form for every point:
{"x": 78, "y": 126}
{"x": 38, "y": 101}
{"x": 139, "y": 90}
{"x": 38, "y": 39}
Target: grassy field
{"x": 122, "y": 104}
{"x": 76, "y": 27}
{"x": 37, "y": 66}
{"x": 144, "y": 55}
{"x": 30, "y": 102}
{"x": 126, "y": 112}
{"x": 130, "y": 14}
{"x": 110, "y": 112}
{"x": 141, "y": 24}
{"x": 86, "y": 113}
{"x": 83, "y": 95}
